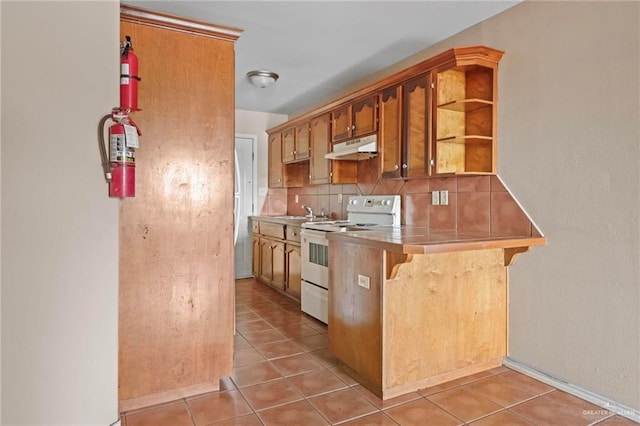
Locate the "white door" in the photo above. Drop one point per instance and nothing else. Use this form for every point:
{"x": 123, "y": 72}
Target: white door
{"x": 245, "y": 192}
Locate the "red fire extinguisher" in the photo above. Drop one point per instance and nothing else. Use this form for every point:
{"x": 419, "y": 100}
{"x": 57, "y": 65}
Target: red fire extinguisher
{"x": 128, "y": 76}
{"x": 120, "y": 162}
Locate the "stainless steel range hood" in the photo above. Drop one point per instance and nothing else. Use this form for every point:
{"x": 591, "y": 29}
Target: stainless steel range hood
{"x": 355, "y": 149}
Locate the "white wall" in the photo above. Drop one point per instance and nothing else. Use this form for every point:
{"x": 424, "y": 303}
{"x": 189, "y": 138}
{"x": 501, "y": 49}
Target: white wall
{"x": 256, "y": 123}
{"x": 59, "y": 228}
{"x": 568, "y": 131}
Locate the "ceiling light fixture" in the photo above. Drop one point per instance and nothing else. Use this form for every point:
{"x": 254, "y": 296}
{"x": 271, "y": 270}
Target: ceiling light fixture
{"x": 262, "y": 78}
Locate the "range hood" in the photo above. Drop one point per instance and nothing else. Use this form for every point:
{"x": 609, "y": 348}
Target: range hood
{"x": 355, "y": 149}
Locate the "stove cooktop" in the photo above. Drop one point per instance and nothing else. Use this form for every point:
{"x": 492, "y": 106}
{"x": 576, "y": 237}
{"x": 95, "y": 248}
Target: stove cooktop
{"x": 364, "y": 212}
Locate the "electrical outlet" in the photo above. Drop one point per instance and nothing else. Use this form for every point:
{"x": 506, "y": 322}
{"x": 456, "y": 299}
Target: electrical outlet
{"x": 444, "y": 198}
{"x": 435, "y": 198}
{"x": 339, "y": 198}
{"x": 364, "y": 281}
{"x": 296, "y": 197}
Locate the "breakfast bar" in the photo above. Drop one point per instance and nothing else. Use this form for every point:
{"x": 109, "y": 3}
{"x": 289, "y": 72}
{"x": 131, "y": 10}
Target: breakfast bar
{"x": 411, "y": 307}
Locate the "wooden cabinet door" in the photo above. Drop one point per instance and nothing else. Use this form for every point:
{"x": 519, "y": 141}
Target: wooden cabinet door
{"x": 289, "y": 145}
{"x": 266, "y": 260}
{"x": 275, "y": 161}
{"x": 365, "y": 117}
{"x": 320, "y": 138}
{"x": 417, "y": 113}
{"x": 294, "y": 285}
{"x": 390, "y": 144}
{"x": 278, "y": 264}
{"x": 302, "y": 142}
{"x": 255, "y": 259}
{"x": 341, "y": 120}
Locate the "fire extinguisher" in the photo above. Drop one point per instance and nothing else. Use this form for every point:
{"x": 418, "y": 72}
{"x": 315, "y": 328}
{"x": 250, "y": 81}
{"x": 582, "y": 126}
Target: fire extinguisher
{"x": 120, "y": 162}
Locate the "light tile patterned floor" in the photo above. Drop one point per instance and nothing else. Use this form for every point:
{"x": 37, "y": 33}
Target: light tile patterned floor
{"x": 284, "y": 375}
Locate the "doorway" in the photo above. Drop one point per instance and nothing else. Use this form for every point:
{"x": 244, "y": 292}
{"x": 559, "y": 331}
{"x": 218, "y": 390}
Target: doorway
{"x": 246, "y": 194}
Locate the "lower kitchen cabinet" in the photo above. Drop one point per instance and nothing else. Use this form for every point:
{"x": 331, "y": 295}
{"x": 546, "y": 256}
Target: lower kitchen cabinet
{"x": 256, "y": 256}
{"x": 272, "y": 262}
{"x": 276, "y": 256}
{"x": 293, "y": 280}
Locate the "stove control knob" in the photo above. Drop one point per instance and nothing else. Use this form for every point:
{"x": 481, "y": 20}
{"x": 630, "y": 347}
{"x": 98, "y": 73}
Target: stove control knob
{"x": 386, "y": 202}
{"x": 353, "y": 202}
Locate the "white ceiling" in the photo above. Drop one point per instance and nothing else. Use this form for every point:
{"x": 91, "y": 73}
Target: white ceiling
{"x": 320, "y": 47}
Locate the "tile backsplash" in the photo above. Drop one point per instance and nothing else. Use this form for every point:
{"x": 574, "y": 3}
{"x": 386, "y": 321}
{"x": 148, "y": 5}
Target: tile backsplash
{"x": 476, "y": 203}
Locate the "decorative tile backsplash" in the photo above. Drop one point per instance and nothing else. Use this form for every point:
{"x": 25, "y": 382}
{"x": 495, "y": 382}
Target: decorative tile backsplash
{"x": 475, "y": 204}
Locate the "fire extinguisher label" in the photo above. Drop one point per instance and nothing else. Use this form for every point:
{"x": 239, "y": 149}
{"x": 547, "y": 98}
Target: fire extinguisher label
{"x": 131, "y": 136}
{"x": 124, "y": 73}
{"x": 118, "y": 152}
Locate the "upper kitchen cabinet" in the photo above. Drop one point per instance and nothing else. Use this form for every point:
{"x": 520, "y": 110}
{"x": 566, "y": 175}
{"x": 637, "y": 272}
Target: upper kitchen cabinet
{"x": 322, "y": 170}
{"x": 405, "y": 114}
{"x": 390, "y": 149}
{"x": 464, "y": 122}
{"x": 283, "y": 175}
{"x": 434, "y": 118}
{"x": 415, "y": 129}
{"x": 276, "y": 178}
{"x": 295, "y": 144}
{"x": 356, "y": 119}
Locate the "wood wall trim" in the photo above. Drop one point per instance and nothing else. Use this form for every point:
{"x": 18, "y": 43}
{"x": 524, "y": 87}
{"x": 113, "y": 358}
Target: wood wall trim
{"x": 167, "y": 21}
{"x": 457, "y": 56}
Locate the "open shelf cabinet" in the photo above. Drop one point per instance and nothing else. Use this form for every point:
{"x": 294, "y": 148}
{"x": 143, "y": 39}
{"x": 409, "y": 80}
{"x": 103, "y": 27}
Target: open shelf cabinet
{"x": 465, "y": 120}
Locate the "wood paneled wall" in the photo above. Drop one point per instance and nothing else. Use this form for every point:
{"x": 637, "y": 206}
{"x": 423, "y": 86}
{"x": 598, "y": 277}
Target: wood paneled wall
{"x": 176, "y": 235}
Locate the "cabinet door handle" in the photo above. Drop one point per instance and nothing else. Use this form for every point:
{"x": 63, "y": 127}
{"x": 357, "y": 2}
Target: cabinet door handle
{"x": 348, "y": 128}
{"x": 404, "y": 166}
{"x": 396, "y": 167}
{"x": 353, "y": 127}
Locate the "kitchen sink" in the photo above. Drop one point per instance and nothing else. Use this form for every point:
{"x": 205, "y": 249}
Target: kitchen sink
{"x": 305, "y": 218}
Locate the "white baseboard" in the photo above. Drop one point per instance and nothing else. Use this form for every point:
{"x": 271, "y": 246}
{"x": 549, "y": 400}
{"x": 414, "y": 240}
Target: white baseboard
{"x": 607, "y": 404}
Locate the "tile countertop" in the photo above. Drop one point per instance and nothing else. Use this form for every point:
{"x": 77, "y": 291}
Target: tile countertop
{"x": 421, "y": 240}
{"x": 288, "y": 220}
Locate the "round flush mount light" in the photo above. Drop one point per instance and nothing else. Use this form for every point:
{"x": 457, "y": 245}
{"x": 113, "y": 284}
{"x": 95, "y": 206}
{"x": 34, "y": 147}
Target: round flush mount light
{"x": 262, "y": 78}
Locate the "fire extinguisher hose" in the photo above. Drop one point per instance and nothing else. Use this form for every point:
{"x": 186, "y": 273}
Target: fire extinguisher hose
{"x": 106, "y": 164}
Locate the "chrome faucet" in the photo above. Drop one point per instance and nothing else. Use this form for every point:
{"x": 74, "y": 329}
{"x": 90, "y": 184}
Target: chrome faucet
{"x": 309, "y": 211}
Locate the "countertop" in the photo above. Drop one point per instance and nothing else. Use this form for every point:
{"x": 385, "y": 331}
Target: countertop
{"x": 288, "y": 220}
{"x": 422, "y": 240}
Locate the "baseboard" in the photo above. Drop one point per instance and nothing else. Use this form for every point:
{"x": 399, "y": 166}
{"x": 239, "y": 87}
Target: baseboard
{"x": 599, "y": 400}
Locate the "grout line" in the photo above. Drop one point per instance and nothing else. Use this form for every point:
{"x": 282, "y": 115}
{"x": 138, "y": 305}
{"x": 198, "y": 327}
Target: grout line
{"x": 193, "y": 421}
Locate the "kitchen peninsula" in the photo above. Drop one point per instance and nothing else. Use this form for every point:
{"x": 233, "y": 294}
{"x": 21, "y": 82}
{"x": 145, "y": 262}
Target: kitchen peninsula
{"x": 411, "y": 307}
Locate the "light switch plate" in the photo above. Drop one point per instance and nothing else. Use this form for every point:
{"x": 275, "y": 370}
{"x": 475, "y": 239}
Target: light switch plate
{"x": 444, "y": 198}
{"x": 296, "y": 197}
{"x": 435, "y": 198}
{"x": 340, "y": 198}
{"x": 364, "y": 281}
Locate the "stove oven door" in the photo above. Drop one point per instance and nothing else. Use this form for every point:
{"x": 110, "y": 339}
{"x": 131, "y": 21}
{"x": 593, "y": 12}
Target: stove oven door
{"x": 314, "y": 272}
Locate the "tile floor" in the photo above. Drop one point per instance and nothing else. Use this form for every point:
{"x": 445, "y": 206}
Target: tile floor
{"x": 284, "y": 375}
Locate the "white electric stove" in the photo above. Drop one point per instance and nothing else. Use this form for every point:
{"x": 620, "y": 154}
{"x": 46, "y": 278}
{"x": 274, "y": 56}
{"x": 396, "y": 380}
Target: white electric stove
{"x": 363, "y": 212}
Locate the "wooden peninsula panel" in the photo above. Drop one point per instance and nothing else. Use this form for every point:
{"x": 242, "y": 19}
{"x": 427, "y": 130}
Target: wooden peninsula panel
{"x": 176, "y": 236}
{"x": 435, "y": 307}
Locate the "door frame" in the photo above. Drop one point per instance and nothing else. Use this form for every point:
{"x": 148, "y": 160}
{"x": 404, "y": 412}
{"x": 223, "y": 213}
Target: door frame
{"x": 254, "y": 163}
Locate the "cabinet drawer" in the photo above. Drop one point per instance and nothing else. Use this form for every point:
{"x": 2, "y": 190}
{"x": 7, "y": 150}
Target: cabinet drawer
{"x": 274, "y": 230}
{"x": 255, "y": 227}
{"x": 293, "y": 233}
